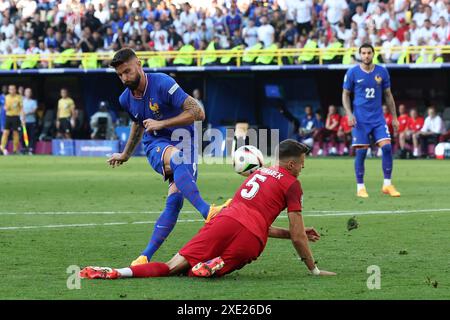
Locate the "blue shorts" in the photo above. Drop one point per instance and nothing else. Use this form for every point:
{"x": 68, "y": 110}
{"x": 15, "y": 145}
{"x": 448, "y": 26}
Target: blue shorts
{"x": 155, "y": 156}
{"x": 362, "y": 131}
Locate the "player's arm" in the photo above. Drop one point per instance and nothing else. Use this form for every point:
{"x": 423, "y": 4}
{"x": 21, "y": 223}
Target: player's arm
{"x": 192, "y": 111}
{"x": 283, "y": 233}
{"x": 300, "y": 242}
{"x": 390, "y": 103}
{"x": 134, "y": 139}
{"x": 347, "y": 104}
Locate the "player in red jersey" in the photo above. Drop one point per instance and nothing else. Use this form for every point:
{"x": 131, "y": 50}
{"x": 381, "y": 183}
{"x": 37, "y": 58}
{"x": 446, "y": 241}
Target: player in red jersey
{"x": 403, "y": 118}
{"x": 403, "y": 121}
{"x": 345, "y": 133}
{"x": 239, "y": 233}
{"x": 330, "y": 131}
{"x": 415, "y": 123}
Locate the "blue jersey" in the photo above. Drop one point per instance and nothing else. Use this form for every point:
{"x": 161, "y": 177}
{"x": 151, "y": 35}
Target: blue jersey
{"x": 309, "y": 123}
{"x": 368, "y": 88}
{"x": 163, "y": 99}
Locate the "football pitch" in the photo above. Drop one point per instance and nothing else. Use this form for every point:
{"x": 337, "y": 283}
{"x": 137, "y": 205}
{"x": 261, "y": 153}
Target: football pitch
{"x": 58, "y": 212}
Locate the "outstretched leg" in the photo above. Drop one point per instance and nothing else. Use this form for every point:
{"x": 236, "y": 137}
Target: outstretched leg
{"x": 164, "y": 225}
{"x": 176, "y": 265}
{"x": 184, "y": 171}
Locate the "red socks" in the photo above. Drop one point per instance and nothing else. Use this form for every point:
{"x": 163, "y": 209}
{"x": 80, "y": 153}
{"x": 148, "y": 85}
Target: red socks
{"x": 152, "y": 269}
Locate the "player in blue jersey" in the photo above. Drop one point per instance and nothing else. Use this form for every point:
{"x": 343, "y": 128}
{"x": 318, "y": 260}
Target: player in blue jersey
{"x": 369, "y": 83}
{"x": 158, "y": 106}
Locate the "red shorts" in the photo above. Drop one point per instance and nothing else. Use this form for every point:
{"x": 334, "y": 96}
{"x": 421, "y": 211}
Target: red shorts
{"x": 224, "y": 237}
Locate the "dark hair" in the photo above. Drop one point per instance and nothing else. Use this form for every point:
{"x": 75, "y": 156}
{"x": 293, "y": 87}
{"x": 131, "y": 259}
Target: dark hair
{"x": 291, "y": 149}
{"x": 122, "y": 56}
{"x": 367, "y": 45}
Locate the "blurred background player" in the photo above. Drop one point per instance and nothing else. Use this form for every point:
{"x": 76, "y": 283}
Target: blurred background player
{"x": 239, "y": 233}
{"x": 415, "y": 123}
{"x": 329, "y": 131}
{"x": 158, "y": 106}
{"x": 29, "y": 110}
{"x": 65, "y": 117}
{"x": 432, "y": 128}
{"x": 345, "y": 133}
{"x": 308, "y": 127}
{"x": 13, "y": 122}
{"x": 369, "y": 82}
{"x": 403, "y": 119}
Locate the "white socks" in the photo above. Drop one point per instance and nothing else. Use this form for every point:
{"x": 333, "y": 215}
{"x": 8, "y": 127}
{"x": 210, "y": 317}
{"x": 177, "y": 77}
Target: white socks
{"x": 359, "y": 186}
{"x": 387, "y": 182}
{"x": 125, "y": 273}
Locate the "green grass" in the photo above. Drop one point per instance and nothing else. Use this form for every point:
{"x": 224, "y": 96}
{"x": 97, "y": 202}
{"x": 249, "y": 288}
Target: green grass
{"x": 33, "y": 261}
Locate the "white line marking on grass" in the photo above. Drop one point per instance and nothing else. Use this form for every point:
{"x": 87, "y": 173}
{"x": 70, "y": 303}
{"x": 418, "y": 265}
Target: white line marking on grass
{"x": 88, "y": 225}
{"x": 84, "y": 212}
{"x": 283, "y": 216}
{"x": 316, "y": 213}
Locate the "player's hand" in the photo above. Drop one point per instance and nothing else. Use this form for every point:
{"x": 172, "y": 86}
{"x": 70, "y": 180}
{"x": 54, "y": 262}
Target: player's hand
{"x": 153, "y": 125}
{"x": 312, "y": 234}
{"x": 395, "y": 124}
{"x": 351, "y": 120}
{"x": 117, "y": 159}
{"x": 326, "y": 273}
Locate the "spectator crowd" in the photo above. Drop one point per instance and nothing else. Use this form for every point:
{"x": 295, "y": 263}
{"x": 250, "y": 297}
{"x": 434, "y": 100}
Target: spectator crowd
{"x": 414, "y": 138}
{"x": 52, "y": 26}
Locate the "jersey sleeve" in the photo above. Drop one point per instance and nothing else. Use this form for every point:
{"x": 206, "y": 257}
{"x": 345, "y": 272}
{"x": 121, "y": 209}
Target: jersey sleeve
{"x": 171, "y": 92}
{"x": 348, "y": 80}
{"x": 386, "y": 80}
{"x": 294, "y": 196}
{"x": 124, "y": 103}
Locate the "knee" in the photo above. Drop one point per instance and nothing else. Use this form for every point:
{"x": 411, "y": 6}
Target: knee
{"x": 175, "y": 201}
{"x": 387, "y": 148}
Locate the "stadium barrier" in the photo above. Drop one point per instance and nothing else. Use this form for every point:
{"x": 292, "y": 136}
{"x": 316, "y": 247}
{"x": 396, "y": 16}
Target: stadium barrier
{"x": 86, "y": 148}
{"x": 278, "y": 57}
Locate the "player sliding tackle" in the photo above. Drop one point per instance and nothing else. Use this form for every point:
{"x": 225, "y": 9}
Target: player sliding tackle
{"x": 157, "y": 106}
{"x": 369, "y": 82}
{"x": 239, "y": 233}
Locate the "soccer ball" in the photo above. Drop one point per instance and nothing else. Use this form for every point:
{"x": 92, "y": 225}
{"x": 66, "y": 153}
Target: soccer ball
{"x": 247, "y": 159}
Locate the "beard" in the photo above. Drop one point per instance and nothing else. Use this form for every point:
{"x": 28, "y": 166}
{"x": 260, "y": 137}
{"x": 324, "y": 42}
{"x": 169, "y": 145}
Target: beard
{"x": 133, "y": 85}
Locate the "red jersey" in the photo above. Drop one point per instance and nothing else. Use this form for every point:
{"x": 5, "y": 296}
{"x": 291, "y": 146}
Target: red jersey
{"x": 262, "y": 197}
{"x": 388, "y": 118}
{"x": 403, "y": 121}
{"x": 415, "y": 124}
{"x": 344, "y": 124}
{"x": 333, "y": 118}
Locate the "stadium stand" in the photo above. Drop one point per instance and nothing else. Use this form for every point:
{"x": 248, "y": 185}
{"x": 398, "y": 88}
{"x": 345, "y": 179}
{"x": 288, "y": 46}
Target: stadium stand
{"x": 83, "y": 34}
{"x": 335, "y": 28}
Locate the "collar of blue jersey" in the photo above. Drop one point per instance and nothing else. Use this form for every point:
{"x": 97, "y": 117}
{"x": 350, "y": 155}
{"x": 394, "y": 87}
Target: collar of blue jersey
{"x": 145, "y": 90}
{"x": 368, "y": 72}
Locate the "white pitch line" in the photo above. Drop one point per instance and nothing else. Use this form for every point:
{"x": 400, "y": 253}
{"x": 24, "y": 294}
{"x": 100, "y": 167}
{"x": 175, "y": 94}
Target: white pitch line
{"x": 314, "y": 214}
{"x": 83, "y": 212}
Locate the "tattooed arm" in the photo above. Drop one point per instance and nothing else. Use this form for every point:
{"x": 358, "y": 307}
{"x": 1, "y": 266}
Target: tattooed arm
{"x": 135, "y": 137}
{"x": 192, "y": 111}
